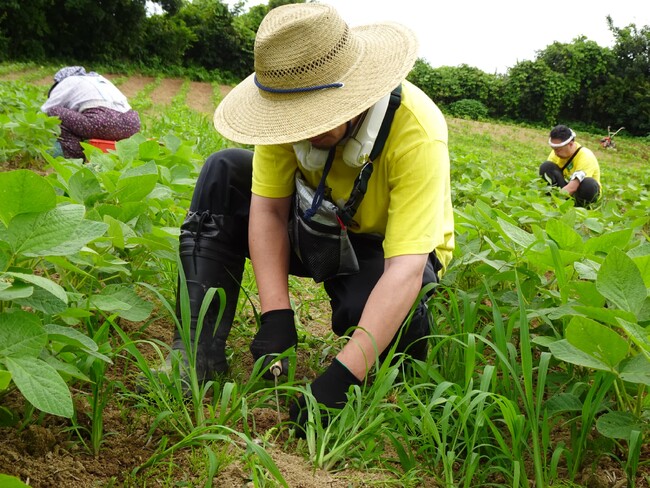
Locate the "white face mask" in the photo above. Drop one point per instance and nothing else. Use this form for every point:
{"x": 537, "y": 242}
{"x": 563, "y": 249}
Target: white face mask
{"x": 357, "y": 147}
{"x": 311, "y": 158}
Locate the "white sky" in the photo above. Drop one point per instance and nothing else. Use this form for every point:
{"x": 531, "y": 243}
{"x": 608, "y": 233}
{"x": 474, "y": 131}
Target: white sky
{"x": 494, "y": 35}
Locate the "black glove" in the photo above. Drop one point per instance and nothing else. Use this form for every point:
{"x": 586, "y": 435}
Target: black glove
{"x": 330, "y": 389}
{"x": 277, "y": 334}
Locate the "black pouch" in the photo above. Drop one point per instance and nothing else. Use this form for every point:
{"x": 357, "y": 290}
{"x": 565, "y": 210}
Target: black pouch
{"x": 321, "y": 242}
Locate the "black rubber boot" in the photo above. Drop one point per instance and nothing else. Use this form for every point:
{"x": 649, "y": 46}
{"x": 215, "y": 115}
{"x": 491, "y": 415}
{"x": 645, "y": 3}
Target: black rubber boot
{"x": 208, "y": 262}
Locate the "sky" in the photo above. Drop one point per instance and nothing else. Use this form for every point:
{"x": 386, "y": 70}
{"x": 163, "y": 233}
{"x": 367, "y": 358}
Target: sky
{"x": 493, "y": 35}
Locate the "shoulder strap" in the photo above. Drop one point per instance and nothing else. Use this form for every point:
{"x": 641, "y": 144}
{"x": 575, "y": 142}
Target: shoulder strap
{"x": 571, "y": 158}
{"x": 361, "y": 183}
{"x": 394, "y": 102}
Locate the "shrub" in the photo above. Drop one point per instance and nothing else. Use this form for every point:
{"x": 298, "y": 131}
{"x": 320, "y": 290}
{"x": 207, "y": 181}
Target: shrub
{"x": 468, "y": 109}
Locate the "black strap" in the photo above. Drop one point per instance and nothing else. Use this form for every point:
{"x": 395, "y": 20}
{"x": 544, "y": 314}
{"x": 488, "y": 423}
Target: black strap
{"x": 571, "y": 159}
{"x": 361, "y": 183}
{"x": 319, "y": 194}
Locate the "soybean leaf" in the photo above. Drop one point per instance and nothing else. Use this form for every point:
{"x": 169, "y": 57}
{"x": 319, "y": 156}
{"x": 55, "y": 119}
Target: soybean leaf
{"x": 563, "y": 402}
{"x": 567, "y": 352}
{"x": 7, "y": 481}
{"x": 65, "y": 369}
{"x": 515, "y": 234}
{"x": 23, "y": 191}
{"x": 14, "y": 291}
{"x": 636, "y": 370}
{"x": 136, "y": 183}
{"x": 45, "y": 283}
{"x": 606, "y": 242}
{"x": 84, "y": 187}
{"x": 619, "y": 280}
{"x": 618, "y": 425}
{"x": 564, "y": 236}
{"x": 21, "y": 334}
{"x": 587, "y": 269}
{"x": 639, "y": 335}
{"x": 41, "y": 385}
{"x": 5, "y": 379}
{"x": 643, "y": 263}
{"x": 604, "y": 315}
{"x": 70, "y": 335}
{"x": 43, "y": 301}
{"x": 59, "y": 232}
{"x": 597, "y": 340}
{"x": 124, "y": 301}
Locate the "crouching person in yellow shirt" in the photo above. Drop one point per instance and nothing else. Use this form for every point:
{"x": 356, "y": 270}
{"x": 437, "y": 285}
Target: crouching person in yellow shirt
{"x": 572, "y": 167}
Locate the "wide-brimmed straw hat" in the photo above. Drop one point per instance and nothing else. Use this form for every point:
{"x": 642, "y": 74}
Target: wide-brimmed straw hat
{"x": 313, "y": 73}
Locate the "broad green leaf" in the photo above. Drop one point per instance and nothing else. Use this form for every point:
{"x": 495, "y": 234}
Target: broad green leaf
{"x": 84, "y": 187}
{"x": 636, "y": 370}
{"x": 608, "y": 241}
{"x": 108, "y": 303}
{"x": 618, "y": 425}
{"x": 587, "y": 269}
{"x": 42, "y": 301}
{"x": 7, "y": 481}
{"x": 564, "y": 236}
{"x": 59, "y": 232}
{"x": 639, "y": 335}
{"x": 23, "y": 191}
{"x": 21, "y": 334}
{"x": 149, "y": 150}
{"x": 597, "y": 340}
{"x": 65, "y": 370}
{"x": 45, "y": 283}
{"x": 128, "y": 149}
{"x": 41, "y": 385}
{"x": 136, "y": 183}
{"x": 586, "y": 293}
{"x": 565, "y": 351}
{"x": 620, "y": 281}
{"x": 70, "y": 335}
{"x": 118, "y": 232}
{"x": 643, "y": 263}
{"x": 125, "y": 302}
{"x": 604, "y": 315}
{"x": 563, "y": 402}
{"x": 516, "y": 235}
{"x": 10, "y": 292}
{"x": 543, "y": 341}
{"x": 640, "y": 251}
{"x": 5, "y": 379}
{"x": 644, "y": 314}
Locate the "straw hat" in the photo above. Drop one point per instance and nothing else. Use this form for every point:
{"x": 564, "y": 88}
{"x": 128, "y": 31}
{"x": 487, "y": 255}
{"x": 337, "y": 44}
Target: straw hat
{"x": 312, "y": 74}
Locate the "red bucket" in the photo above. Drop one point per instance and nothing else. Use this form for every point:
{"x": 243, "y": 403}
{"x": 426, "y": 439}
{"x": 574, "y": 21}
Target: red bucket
{"x": 102, "y": 144}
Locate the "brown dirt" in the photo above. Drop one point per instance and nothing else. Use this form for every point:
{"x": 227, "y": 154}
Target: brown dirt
{"x": 134, "y": 84}
{"x": 166, "y": 91}
{"x": 200, "y": 97}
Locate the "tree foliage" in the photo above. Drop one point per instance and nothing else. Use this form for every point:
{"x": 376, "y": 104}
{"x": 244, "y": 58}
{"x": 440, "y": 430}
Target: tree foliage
{"x": 576, "y": 81}
{"x": 571, "y": 82}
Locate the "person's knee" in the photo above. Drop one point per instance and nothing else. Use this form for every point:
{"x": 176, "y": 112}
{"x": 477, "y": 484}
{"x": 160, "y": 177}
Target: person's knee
{"x": 225, "y": 161}
{"x": 546, "y": 167}
{"x": 345, "y": 317}
{"x": 588, "y": 191}
{"x": 224, "y": 185}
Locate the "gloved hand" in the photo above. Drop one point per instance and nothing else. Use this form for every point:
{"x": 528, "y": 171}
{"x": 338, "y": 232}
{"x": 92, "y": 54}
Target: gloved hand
{"x": 330, "y": 389}
{"x": 277, "y": 333}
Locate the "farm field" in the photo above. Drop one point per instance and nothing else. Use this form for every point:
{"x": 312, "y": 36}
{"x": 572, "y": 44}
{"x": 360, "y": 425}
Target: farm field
{"x": 540, "y": 356}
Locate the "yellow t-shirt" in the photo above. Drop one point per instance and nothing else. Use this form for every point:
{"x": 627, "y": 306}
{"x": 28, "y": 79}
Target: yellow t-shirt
{"x": 408, "y": 200}
{"x": 585, "y": 161}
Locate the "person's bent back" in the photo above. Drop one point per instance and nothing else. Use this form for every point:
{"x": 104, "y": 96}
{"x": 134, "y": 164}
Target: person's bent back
{"x": 90, "y": 107}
